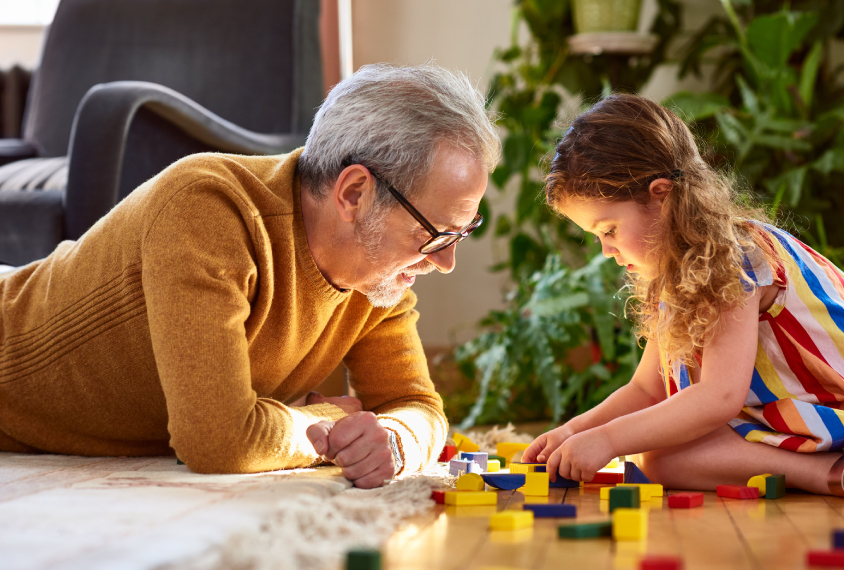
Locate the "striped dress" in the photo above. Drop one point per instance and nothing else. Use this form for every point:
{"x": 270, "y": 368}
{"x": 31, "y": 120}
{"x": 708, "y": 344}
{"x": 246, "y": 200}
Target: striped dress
{"x": 797, "y": 388}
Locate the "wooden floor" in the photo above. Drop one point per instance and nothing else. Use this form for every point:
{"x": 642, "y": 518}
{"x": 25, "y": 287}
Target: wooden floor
{"x": 724, "y": 533}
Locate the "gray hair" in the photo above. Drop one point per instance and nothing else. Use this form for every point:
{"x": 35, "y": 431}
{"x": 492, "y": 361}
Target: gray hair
{"x": 391, "y": 119}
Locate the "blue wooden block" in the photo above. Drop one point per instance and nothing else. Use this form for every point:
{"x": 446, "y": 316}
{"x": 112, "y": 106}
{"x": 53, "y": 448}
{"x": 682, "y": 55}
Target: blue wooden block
{"x": 479, "y": 457}
{"x": 506, "y": 481}
{"x": 551, "y": 510}
{"x": 564, "y": 483}
{"x": 541, "y": 469}
{"x": 838, "y": 538}
{"x": 633, "y": 474}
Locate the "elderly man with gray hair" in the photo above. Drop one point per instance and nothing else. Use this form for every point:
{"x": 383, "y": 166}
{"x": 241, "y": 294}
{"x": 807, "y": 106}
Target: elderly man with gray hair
{"x": 226, "y": 288}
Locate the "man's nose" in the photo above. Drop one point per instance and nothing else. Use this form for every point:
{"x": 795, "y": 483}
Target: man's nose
{"x": 444, "y": 260}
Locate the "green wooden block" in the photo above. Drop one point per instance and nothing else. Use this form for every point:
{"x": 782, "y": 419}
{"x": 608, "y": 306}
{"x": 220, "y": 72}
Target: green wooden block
{"x": 626, "y": 497}
{"x": 500, "y": 459}
{"x": 363, "y": 560}
{"x": 775, "y": 487}
{"x": 589, "y": 530}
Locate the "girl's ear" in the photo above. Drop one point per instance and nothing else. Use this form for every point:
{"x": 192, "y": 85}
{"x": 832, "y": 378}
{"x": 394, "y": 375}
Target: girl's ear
{"x": 660, "y": 188}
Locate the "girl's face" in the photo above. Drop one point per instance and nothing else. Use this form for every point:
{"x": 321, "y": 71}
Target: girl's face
{"x": 627, "y": 230}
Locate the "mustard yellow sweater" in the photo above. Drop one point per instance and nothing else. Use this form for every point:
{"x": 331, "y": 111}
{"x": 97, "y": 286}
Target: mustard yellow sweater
{"x": 186, "y": 319}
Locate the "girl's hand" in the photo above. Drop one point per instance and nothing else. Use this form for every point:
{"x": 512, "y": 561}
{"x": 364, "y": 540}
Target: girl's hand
{"x": 581, "y": 456}
{"x": 545, "y": 444}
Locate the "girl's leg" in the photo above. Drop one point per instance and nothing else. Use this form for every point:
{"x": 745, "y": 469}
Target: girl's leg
{"x": 723, "y": 457}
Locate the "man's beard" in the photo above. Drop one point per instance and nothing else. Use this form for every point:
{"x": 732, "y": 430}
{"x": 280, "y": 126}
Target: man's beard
{"x": 385, "y": 291}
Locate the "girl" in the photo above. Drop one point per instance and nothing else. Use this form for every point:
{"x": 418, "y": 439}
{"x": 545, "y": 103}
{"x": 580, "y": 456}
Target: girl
{"x": 743, "y": 371}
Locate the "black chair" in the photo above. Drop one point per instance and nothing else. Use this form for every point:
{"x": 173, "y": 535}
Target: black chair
{"x": 126, "y": 87}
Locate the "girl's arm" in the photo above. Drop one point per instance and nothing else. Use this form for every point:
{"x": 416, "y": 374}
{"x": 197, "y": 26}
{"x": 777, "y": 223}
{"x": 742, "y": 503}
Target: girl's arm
{"x": 645, "y": 389}
{"x": 726, "y": 372}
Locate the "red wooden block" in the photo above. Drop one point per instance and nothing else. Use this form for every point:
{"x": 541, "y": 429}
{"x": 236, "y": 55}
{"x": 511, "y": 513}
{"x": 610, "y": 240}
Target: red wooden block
{"x": 608, "y": 478}
{"x": 833, "y": 558}
{"x": 737, "y": 492}
{"x": 447, "y": 453}
{"x": 685, "y": 500}
{"x": 661, "y": 563}
{"x": 438, "y": 496}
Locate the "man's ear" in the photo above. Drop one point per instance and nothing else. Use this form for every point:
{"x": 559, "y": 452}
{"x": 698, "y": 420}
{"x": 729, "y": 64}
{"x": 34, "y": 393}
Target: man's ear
{"x": 660, "y": 188}
{"x": 352, "y": 192}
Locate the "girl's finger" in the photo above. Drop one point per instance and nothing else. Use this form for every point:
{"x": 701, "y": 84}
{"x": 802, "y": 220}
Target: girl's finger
{"x": 552, "y": 466}
{"x": 530, "y": 453}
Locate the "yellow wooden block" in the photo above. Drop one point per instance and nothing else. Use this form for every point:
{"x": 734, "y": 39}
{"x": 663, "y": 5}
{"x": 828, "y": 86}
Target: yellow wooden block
{"x": 470, "y": 482}
{"x": 519, "y": 468}
{"x": 511, "y": 520}
{"x": 493, "y": 466}
{"x": 536, "y": 484}
{"x": 605, "y": 493}
{"x": 507, "y": 449}
{"x": 612, "y": 464}
{"x": 646, "y": 490}
{"x": 463, "y": 443}
{"x": 463, "y": 498}
{"x": 629, "y": 524}
{"x": 759, "y": 482}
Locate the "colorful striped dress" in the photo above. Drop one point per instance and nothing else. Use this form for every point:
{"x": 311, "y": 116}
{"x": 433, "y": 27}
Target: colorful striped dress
{"x": 797, "y": 387}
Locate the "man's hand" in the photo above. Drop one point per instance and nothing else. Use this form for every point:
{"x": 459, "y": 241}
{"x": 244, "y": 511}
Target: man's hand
{"x": 540, "y": 450}
{"x": 358, "y": 444}
{"x": 581, "y": 456}
{"x": 348, "y": 404}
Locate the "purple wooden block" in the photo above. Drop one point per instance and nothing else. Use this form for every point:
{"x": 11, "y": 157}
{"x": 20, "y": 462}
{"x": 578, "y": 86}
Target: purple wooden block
{"x": 479, "y": 457}
{"x": 551, "y": 510}
{"x": 457, "y": 466}
{"x": 633, "y": 474}
{"x": 838, "y": 539}
{"x": 506, "y": 481}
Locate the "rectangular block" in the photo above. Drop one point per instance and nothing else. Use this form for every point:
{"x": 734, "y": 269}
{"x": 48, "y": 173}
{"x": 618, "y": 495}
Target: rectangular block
{"x": 589, "y": 530}
{"x": 508, "y": 449}
{"x": 605, "y": 493}
{"x": 463, "y": 443}
{"x": 602, "y": 478}
{"x": 438, "y": 496}
{"x": 685, "y": 500}
{"x": 555, "y": 510}
{"x": 493, "y": 466}
{"x": 479, "y": 457}
{"x": 775, "y": 487}
{"x": 458, "y": 467}
{"x": 563, "y": 483}
{"x": 501, "y": 460}
{"x": 536, "y": 484}
{"x": 361, "y": 559}
{"x": 511, "y": 520}
{"x": 838, "y": 539}
{"x": 829, "y": 558}
{"x": 624, "y": 497}
{"x": 737, "y": 492}
{"x": 518, "y": 468}
{"x": 629, "y": 524}
{"x": 448, "y": 452}
{"x": 646, "y": 490}
{"x": 652, "y": 562}
{"x": 464, "y": 498}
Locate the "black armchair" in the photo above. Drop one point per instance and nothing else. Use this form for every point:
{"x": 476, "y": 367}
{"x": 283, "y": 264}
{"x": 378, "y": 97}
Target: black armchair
{"x": 126, "y": 87}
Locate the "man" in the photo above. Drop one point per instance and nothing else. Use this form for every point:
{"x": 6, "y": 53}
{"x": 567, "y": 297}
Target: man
{"x": 228, "y": 287}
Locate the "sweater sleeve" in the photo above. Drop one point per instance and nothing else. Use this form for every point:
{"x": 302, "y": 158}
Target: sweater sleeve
{"x": 390, "y": 376}
{"x": 199, "y": 277}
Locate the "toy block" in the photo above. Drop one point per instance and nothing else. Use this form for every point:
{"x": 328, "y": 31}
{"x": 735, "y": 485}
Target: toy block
{"x": 605, "y": 493}
{"x": 363, "y": 560}
{"x": 463, "y": 443}
{"x": 838, "y": 539}
{"x": 612, "y": 464}
{"x": 470, "y": 482}
{"x": 179, "y": 461}
{"x": 563, "y": 483}
{"x": 508, "y": 449}
{"x": 466, "y": 498}
{"x": 555, "y": 510}
{"x": 737, "y": 492}
{"x": 624, "y": 497}
{"x": 601, "y": 478}
{"x": 685, "y": 500}
{"x": 775, "y": 486}
{"x": 506, "y": 481}
{"x": 589, "y": 530}
{"x": 502, "y": 461}
{"x": 831, "y": 558}
{"x": 458, "y": 467}
{"x": 633, "y": 474}
{"x": 439, "y": 496}
{"x": 518, "y": 468}
{"x": 536, "y": 484}
{"x": 493, "y": 466}
{"x": 646, "y": 490}
{"x": 629, "y": 524}
{"x": 758, "y": 481}
{"x": 479, "y": 457}
{"x": 447, "y": 453}
{"x": 511, "y": 520}
{"x": 661, "y": 563}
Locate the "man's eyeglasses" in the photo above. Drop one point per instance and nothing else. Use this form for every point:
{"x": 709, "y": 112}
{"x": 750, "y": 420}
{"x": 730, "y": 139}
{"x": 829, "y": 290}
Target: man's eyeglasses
{"x": 439, "y": 240}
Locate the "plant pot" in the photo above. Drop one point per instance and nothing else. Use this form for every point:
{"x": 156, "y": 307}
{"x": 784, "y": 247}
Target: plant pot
{"x": 606, "y": 15}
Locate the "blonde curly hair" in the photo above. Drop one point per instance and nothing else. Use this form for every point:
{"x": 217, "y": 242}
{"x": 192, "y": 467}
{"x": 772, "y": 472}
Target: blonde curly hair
{"x": 613, "y": 152}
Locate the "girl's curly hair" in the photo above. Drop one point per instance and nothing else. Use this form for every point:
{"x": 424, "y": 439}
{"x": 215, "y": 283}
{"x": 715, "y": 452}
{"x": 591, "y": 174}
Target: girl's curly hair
{"x": 613, "y": 152}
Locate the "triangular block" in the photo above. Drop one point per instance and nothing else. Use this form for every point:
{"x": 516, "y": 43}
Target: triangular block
{"x": 633, "y": 474}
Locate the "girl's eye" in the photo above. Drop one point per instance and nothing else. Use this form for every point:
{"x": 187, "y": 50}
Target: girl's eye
{"x": 610, "y": 232}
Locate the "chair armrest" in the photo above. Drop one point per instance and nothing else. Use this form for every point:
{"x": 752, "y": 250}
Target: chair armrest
{"x": 12, "y": 150}
{"x": 98, "y": 141}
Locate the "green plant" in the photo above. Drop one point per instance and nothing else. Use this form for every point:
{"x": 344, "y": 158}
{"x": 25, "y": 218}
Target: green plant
{"x": 776, "y": 110}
